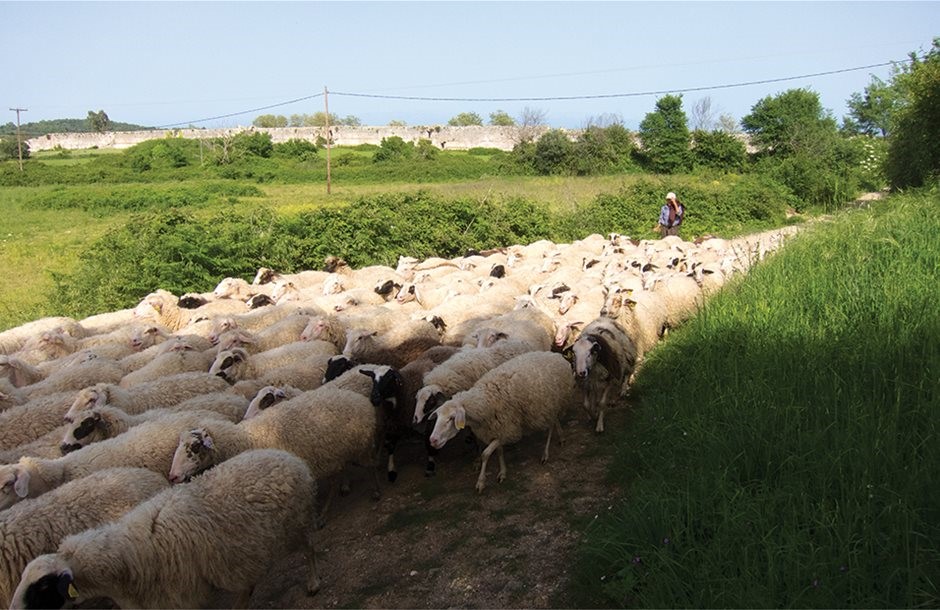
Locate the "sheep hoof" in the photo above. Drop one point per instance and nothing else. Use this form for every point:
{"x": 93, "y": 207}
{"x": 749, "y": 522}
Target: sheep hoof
{"x": 480, "y": 486}
{"x": 429, "y": 472}
{"x": 313, "y": 587}
{"x": 392, "y": 476}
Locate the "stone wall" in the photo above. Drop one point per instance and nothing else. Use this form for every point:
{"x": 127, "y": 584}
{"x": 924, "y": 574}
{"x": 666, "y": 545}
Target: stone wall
{"x": 450, "y": 138}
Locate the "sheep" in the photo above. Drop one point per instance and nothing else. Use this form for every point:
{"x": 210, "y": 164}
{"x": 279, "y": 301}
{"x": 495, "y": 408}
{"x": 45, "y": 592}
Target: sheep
{"x": 525, "y": 394}
{"x": 643, "y": 315}
{"x": 394, "y": 390}
{"x": 107, "y": 322}
{"x": 173, "y": 343}
{"x": 604, "y": 358}
{"x": 267, "y": 397}
{"x": 162, "y": 392}
{"x": 286, "y": 330}
{"x": 396, "y": 348}
{"x": 256, "y": 320}
{"x": 461, "y": 371}
{"x": 46, "y": 446}
{"x": 682, "y": 295}
{"x": 184, "y": 546}
{"x": 19, "y": 372}
{"x": 173, "y": 362}
{"x": 81, "y": 372}
{"x": 325, "y": 328}
{"x": 103, "y": 422}
{"x": 163, "y": 308}
{"x": 526, "y": 324}
{"x": 35, "y": 528}
{"x": 10, "y": 396}
{"x": 149, "y": 445}
{"x": 327, "y": 428}
{"x": 13, "y": 339}
{"x": 236, "y": 364}
{"x": 27, "y": 422}
{"x": 237, "y": 288}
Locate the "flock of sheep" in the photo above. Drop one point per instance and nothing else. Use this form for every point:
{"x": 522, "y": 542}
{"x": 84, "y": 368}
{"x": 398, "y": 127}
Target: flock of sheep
{"x": 160, "y": 455}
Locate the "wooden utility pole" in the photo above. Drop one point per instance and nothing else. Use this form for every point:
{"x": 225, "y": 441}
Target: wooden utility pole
{"x": 326, "y": 104}
{"x": 19, "y": 142}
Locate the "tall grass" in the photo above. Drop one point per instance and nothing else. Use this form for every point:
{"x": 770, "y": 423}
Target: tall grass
{"x": 784, "y": 449}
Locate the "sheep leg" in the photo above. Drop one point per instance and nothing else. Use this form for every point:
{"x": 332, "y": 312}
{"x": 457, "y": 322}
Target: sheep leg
{"x": 502, "y": 466}
{"x": 600, "y": 409}
{"x": 430, "y": 468}
{"x": 493, "y": 446}
{"x": 320, "y": 520}
{"x": 313, "y": 577}
{"x": 391, "y": 443}
{"x": 558, "y": 433}
{"x": 548, "y": 442}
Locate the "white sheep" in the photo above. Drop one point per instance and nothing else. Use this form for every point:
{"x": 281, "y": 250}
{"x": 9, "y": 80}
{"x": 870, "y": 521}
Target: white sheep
{"x": 103, "y": 422}
{"x": 604, "y": 359}
{"x": 173, "y": 362}
{"x": 526, "y": 394}
{"x": 286, "y": 330}
{"x": 149, "y": 445}
{"x": 396, "y": 347}
{"x": 182, "y": 547}
{"x": 46, "y": 446}
{"x": 237, "y": 364}
{"x": 642, "y": 314}
{"x": 163, "y": 308}
{"x": 161, "y": 392}
{"x": 31, "y": 529}
{"x": 327, "y": 428}
{"x": 267, "y": 397}
{"x": 526, "y": 324}
{"x": 257, "y": 320}
{"x": 682, "y": 295}
{"x": 238, "y": 289}
{"x": 81, "y": 372}
{"x": 31, "y": 420}
{"x": 461, "y": 371}
{"x": 10, "y": 396}
{"x": 13, "y": 339}
{"x": 107, "y": 321}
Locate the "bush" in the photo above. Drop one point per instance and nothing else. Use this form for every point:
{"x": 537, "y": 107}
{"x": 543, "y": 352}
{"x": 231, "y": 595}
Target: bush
{"x": 255, "y": 143}
{"x": 552, "y": 153}
{"x": 168, "y": 153}
{"x": 392, "y": 148}
{"x": 9, "y": 150}
{"x": 718, "y": 150}
{"x": 296, "y": 148}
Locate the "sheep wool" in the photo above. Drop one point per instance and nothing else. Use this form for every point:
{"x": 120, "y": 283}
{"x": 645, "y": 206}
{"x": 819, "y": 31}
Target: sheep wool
{"x": 180, "y": 548}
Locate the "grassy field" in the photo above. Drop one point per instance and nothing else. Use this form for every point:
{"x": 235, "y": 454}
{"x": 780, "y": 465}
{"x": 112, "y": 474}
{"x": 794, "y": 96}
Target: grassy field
{"x": 784, "y": 447}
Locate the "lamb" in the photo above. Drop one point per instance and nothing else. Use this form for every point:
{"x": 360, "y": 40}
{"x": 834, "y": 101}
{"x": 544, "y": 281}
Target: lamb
{"x": 182, "y": 547}
{"x": 34, "y": 528}
{"x": 526, "y": 394}
{"x": 149, "y": 445}
{"x": 327, "y": 428}
{"x": 103, "y": 422}
{"x": 461, "y": 371}
{"x": 394, "y": 390}
{"x": 163, "y": 392}
{"x": 395, "y": 348}
{"x": 173, "y": 362}
{"x": 604, "y": 358}
{"x": 27, "y": 422}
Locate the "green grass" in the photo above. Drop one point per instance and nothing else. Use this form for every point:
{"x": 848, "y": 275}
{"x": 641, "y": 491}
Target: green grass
{"x": 784, "y": 452}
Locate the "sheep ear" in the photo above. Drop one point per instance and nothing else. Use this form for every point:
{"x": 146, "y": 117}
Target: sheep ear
{"x": 460, "y": 418}
{"x": 207, "y": 441}
{"x": 568, "y": 353}
{"x": 368, "y": 373}
{"x": 21, "y": 485}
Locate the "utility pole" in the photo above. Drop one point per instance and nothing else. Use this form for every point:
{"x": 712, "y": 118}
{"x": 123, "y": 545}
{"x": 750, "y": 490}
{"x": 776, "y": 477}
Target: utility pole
{"x": 19, "y": 142}
{"x": 326, "y": 104}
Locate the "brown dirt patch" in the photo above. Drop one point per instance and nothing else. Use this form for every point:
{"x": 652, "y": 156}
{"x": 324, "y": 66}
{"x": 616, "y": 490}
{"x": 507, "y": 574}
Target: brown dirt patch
{"x": 437, "y": 543}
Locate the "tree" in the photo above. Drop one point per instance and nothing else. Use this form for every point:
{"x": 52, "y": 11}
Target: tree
{"x": 270, "y": 120}
{"x": 702, "y": 116}
{"x": 664, "y": 134}
{"x": 552, "y": 153}
{"x": 530, "y": 124}
{"x": 728, "y": 124}
{"x": 791, "y": 122}
{"x": 873, "y": 109}
{"x": 501, "y": 119}
{"x": 718, "y": 150}
{"x": 8, "y": 148}
{"x": 98, "y": 121}
{"x": 914, "y": 149}
{"x": 397, "y": 123}
{"x": 465, "y": 119}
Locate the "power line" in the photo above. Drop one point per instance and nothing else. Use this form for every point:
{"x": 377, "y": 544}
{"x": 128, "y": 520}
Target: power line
{"x": 230, "y": 115}
{"x": 614, "y": 95}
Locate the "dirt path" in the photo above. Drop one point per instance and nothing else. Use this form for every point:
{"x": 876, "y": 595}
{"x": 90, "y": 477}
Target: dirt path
{"x": 437, "y": 543}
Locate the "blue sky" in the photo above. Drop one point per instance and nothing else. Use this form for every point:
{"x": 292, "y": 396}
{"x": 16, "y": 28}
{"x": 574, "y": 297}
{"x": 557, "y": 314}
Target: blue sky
{"x": 161, "y": 63}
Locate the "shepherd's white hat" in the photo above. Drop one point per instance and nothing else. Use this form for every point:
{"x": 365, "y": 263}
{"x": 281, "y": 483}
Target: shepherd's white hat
{"x": 670, "y": 195}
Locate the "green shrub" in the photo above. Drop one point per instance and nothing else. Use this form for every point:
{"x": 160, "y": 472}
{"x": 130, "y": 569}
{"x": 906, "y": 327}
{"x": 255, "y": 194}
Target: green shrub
{"x": 255, "y": 143}
{"x": 552, "y": 153}
{"x": 718, "y": 150}
{"x": 10, "y": 150}
{"x": 393, "y": 148}
{"x": 296, "y": 148}
{"x": 102, "y": 200}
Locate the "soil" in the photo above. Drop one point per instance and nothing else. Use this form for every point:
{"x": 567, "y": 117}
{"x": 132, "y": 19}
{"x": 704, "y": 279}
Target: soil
{"x": 437, "y": 543}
